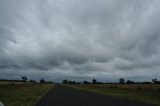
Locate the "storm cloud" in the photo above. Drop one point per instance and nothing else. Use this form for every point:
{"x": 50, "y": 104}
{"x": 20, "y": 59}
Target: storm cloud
{"x": 80, "y": 39}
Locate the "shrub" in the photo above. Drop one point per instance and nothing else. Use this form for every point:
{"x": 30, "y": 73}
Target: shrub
{"x": 139, "y": 88}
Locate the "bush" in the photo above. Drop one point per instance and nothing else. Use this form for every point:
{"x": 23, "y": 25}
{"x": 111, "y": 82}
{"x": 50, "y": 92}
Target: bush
{"x": 65, "y": 81}
{"x": 139, "y": 88}
{"x": 42, "y": 81}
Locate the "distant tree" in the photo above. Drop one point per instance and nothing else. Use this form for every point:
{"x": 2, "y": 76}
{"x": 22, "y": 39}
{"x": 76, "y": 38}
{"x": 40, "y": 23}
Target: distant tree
{"x": 155, "y": 81}
{"x": 42, "y": 81}
{"x": 130, "y": 82}
{"x": 94, "y": 81}
{"x": 65, "y": 81}
{"x": 69, "y": 82}
{"x": 74, "y": 82}
{"x": 86, "y": 82}
{"x": 78, "y": 82}
{"x": 24, "y": 78}
{"x": 32, "y": 81}
{"x": 121, "y": 81}
{"x": 100, "y": 83}
{"x": 146, "y": 82}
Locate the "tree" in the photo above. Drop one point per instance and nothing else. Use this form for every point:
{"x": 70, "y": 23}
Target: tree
{"x": 72, "y": 82}
{"x": 94, "y": 81}
{"x": 24, "y": 78}
{"x": 130, "y": 82}
{"x": 32, "y": 81}
{"x": 155, "y": 81}
{"x": 121, "y": 81}
{"x": 86, "y": 82}
{"x": 65, "y": 81}
{"x": 42, "y": 81}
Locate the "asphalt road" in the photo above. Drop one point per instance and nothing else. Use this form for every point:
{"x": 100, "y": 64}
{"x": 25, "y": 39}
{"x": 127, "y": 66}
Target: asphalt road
{"x": 64, "y": 96}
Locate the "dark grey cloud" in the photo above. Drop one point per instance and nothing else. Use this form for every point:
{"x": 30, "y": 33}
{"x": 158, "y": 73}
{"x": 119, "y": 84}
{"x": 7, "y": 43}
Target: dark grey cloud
{"x": 80, "y": 39}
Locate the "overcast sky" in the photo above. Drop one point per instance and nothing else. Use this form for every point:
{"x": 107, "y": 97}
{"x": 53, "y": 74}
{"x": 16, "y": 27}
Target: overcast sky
{"x": 80, "y": 39}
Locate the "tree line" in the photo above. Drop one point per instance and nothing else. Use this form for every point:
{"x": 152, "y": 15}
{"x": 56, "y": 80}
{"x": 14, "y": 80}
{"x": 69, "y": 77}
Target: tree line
{"x": 93, "y": 81}
{"x": 121, "y": 81}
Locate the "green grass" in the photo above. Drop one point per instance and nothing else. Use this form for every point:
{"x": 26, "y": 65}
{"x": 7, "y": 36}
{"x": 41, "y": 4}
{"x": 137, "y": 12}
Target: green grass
{"x": 23, "y": 94}
{"x": 147, "y": 96}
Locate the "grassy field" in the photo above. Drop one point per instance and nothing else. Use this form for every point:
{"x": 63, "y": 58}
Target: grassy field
{"x": 22, "y": 94}
{"x": 136, "y": 92}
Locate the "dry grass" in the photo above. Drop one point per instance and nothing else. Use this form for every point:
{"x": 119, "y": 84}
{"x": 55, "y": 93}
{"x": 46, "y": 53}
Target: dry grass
{"x": 12, "y": 82}
{"x": 125, "y": 86}
{"x": 138, "y": 92}
{"x": 22, "y": 94}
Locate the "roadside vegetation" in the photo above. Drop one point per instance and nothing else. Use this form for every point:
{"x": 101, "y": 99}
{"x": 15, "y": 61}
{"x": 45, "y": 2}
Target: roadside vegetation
{"x": 136, "y": 92}
{"x": 22, "y": 94}
{"x": 148, "y": 92}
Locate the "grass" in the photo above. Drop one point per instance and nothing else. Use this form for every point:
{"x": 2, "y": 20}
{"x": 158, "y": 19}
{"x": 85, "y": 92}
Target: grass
{"x": 142, "y": 95}
{"x": 23, "y": 94}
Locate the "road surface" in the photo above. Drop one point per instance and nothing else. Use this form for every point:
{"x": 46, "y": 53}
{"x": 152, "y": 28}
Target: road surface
{"x": 64, "y": 96}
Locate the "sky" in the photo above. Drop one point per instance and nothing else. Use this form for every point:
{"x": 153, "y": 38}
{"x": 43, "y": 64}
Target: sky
{"x": 80, "y": 39}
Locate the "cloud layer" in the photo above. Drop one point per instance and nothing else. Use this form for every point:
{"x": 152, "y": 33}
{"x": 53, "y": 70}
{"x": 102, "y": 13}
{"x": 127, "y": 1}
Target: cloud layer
{"x": 80, "y": 39}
